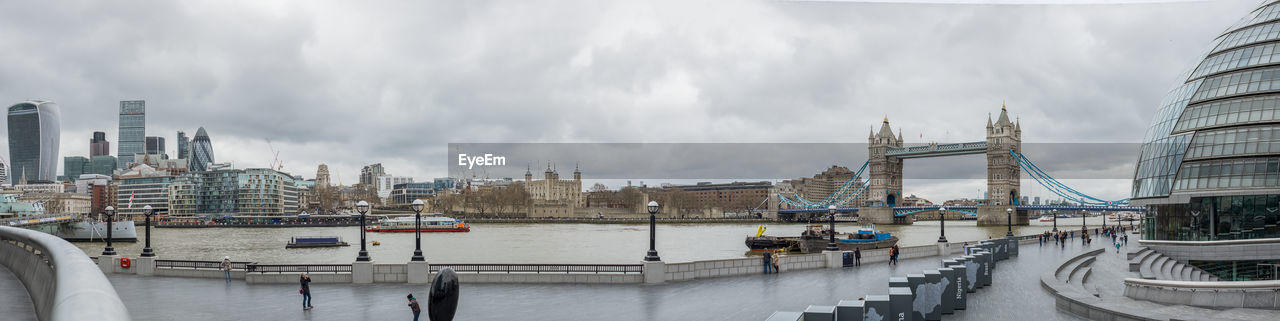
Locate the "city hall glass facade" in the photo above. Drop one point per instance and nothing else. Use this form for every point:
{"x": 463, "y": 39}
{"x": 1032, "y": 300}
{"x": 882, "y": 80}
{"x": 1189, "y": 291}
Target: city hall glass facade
{"x": 1209, "y": 166}
{"x": 34, "y": 135}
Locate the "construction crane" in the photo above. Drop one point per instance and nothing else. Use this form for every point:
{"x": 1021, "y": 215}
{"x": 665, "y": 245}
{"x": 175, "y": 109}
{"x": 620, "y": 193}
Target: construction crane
{"x": 275, "y": 164}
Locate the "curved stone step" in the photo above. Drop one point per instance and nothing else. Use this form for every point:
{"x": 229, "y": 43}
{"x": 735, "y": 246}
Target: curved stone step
{"x": 1080, "y": 272}
{"x": 1064, "y": 272}
{"x": 1165, "y": 266}
{"x": 1186, "y": 273}
{"x": 1197, "y": 275}
{"x": 1136, "y": 259}
{"x": 1148, "y": 268}
{"x": 1175, "y": 271}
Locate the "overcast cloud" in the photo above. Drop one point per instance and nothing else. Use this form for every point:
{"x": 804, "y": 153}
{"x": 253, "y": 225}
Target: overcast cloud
{"x": 351, "y": 83}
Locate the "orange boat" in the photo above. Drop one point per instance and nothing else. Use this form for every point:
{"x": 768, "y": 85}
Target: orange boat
{"x": 429, "y": 224}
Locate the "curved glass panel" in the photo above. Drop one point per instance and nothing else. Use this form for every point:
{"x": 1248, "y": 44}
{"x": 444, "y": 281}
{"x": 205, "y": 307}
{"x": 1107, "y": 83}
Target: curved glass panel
{"x": 1160, "y": 155}
{"x": 1233, "y": 111}
{"x": 1262, "y": 14}
{"x": 1229, "y": 173}
{"x": 1240, "y": 82}
{"x": 1239, "y": 58}
{"x": 1236, "y": 141}
{"x": 1254, "y": 34}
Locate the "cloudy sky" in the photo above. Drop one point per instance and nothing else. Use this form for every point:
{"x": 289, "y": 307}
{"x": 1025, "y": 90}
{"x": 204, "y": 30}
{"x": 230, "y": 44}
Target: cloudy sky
{"x": 351, "y": 83}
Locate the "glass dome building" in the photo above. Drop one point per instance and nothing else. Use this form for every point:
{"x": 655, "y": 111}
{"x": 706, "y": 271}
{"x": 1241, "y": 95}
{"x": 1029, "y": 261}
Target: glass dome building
{"x": 1209, "y": 166}
{"x": 201, "y": 151}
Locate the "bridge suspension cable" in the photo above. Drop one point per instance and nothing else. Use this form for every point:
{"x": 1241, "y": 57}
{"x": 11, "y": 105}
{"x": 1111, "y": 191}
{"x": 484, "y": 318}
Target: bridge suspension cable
{"x": 846, "y": 193}
{"x": 1057, "y": 187}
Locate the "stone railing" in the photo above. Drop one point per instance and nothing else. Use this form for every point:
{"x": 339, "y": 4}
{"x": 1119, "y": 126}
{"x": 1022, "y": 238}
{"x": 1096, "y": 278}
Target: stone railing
{"x": 64, "y": 284}
{"x": 1213, "y": 294}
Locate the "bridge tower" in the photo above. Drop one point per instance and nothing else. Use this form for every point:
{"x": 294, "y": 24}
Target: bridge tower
{"x": 885, "y": 186}
{"x": 1003, "y": 172}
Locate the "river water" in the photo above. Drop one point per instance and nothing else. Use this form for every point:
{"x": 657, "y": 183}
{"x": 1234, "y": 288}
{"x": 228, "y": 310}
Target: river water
{"x": 521, "y": 243}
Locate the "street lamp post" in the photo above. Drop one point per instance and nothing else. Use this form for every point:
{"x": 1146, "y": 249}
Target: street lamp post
{"x": 1009, "y": 215}
{"x": 109, "y": 212}
{"x": 417, "y": 206}
{"x": 362, "y": 207}
{"x": 1055, "y": 220}
{"x": 147, "y": 212}
{"x": 942, "y": 225}
{"x": 831, "y": 218}
{"x": 652, "y": 256}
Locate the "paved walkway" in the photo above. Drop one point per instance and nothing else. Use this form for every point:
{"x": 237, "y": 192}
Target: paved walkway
{"x": 14, "y": 300}
{"x": 1015, "y": 295}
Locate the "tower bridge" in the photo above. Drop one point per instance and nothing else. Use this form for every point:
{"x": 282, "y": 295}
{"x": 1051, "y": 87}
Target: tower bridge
{"x": 883, "y": 188}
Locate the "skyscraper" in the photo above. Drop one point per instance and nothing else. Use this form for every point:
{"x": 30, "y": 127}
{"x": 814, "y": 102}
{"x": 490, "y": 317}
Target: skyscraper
{"x": 34, "y": 133}
{"x": 201, "y": 151}
{"x": 184, "y": 145}
{"x": 155, "y": 146}
{"x": 133, "y": 131}
{"x": 98, "y": 145}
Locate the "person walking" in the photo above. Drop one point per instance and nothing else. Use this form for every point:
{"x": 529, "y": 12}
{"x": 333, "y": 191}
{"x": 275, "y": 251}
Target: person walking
{"x": 857, "y": 257}
{"x": 305, "y": 290}
{"x": 413, "y": 305}
{"x": 776, "y": 261}
{"x": 226, "y": 268}
{"x": 768, "y": 261}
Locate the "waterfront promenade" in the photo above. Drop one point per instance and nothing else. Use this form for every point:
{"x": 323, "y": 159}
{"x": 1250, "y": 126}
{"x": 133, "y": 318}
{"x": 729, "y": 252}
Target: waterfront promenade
{"x": 1015, "y": 294}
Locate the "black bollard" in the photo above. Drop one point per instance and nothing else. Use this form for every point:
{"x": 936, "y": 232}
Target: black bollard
{"x": 444, "y": 296}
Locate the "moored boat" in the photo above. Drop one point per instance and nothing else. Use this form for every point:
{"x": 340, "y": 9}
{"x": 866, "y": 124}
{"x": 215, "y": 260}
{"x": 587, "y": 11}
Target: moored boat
{"x": 315, "y": 241}
{"x": 815, "y": 238}
{"x": 96, "y": 231}
{"x": 429, "y": 224}
{"x": 1046, "y": 218}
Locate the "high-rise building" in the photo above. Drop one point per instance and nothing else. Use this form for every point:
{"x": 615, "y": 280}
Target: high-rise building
{"x": 73, "y": 167}
{"x": 141, "y": 186}
{"x": 98, "y": 145}
{"x": 386, "y": 183}
{"x": 34, "y": 133}
{"x": 184, "y": 145}
{"x": 370, "y": 173}
{"x": 201, "y": 151}
{"x": 322, "y": 176}
{"x": 155, "y": 146}
{"x": 133, "y": 131}
{"x": 1209, "y": 166}
{"x": 254, "y": 191}
{"x": 4, "y": 174}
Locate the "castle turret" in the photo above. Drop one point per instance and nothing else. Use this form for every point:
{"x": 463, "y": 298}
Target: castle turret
{"x": 1003, "y": 172}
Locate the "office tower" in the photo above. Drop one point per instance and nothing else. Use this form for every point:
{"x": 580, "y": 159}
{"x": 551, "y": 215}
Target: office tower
{"x": 34, "y": 134}
{"x": 184, "y": 145}
{"x": 201, "y": 151}
{"x": 98, "y": 145}
{"x": 155, "y": 146}
{"x": 133, "y": 131}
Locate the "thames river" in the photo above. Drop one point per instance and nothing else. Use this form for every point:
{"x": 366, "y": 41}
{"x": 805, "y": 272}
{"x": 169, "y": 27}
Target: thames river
{"x": 521, "y": 243}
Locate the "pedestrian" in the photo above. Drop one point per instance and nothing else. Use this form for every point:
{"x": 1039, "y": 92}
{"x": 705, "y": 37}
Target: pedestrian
{"x": 776, "y": 260}
{"x": 890, "y": 256}
{"x": 1117, "y": 247}
{"x": 413, "y": 305}
{"x": 857, "y": 257}
{"x": 305, "y": 290}
{"x": 1126, "y": 240}
{"x": 226, "y": 268}
{"x": 768, "y": 261}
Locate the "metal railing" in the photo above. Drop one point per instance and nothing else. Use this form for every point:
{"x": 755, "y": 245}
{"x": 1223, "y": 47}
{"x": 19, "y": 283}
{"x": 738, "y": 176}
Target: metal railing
{"x": 292, "y": 268}
{"x": 187, "y": 264}
{"x": 541, "y": 268}
{"x": 61, "y": 280}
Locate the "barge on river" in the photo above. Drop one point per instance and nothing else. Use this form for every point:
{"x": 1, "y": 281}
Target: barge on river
{"x": 315, "y": 241}
{"x": 814, "y": 239}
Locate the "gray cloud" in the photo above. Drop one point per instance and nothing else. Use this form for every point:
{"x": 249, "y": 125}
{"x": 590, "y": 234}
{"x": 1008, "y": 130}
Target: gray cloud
{"x": 349, "y": 83}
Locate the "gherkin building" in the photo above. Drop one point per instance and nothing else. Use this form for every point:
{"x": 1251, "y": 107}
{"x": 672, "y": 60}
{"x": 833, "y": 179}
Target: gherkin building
{"x": 1209, "y": 165}
{"x": 201, "y": 151}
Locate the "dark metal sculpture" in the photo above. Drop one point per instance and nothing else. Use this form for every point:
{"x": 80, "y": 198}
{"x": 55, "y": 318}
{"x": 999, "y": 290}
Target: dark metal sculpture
{"x": 444, "y": 296}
